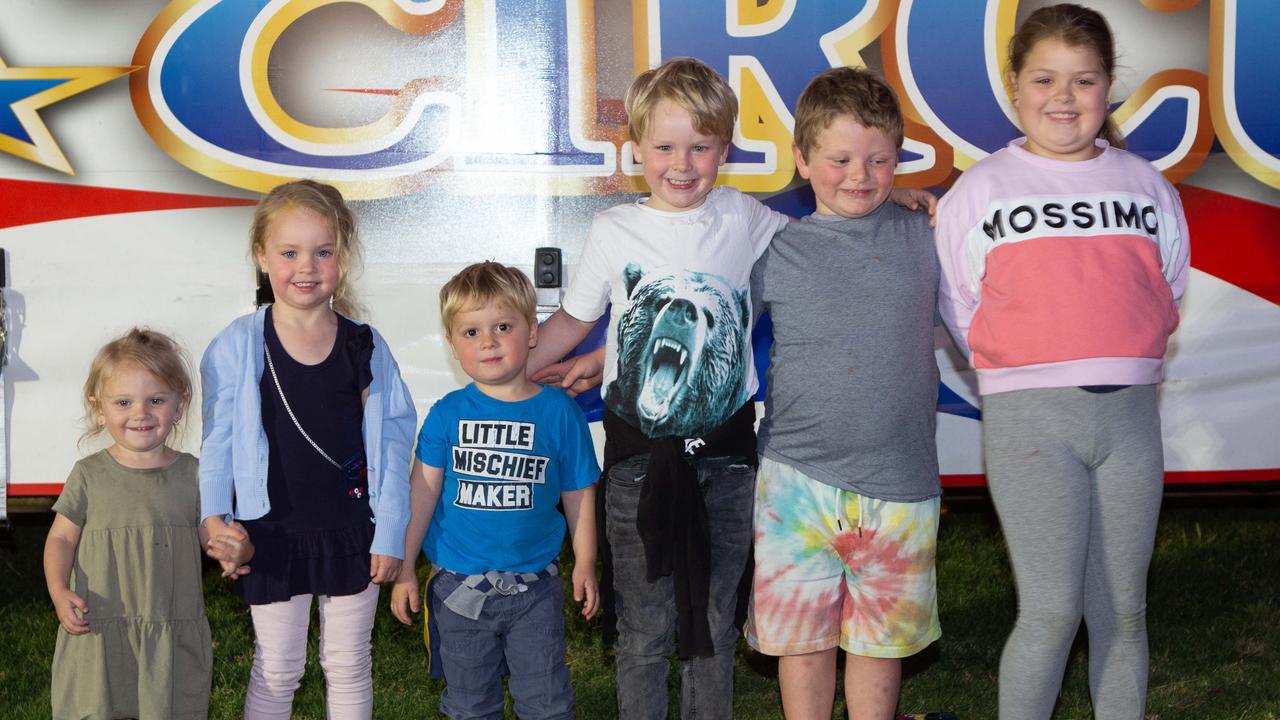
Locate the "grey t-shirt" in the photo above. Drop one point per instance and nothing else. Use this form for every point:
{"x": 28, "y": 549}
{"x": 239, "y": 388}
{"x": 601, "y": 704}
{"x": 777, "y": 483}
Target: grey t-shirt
{"x": 853, "y": 384}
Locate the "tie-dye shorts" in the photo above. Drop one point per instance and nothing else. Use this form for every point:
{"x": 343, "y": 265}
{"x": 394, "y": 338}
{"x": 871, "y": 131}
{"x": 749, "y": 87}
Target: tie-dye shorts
{"x": 837, "y": 568}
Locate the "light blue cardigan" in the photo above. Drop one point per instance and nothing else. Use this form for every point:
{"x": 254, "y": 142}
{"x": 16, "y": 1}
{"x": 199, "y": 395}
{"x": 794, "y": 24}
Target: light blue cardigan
{"x": 233, "y": 447}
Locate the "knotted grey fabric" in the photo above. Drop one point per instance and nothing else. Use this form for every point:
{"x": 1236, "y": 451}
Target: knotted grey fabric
{"x": 469, "y": 597}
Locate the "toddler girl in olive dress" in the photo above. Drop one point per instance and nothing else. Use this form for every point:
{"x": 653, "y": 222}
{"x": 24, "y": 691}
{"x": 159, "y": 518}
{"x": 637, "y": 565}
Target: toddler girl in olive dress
{"x": 122, "y": 560}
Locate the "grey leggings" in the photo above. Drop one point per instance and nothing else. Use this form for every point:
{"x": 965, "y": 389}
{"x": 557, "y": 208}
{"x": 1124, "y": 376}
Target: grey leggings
{"x": 1076, "y": 478}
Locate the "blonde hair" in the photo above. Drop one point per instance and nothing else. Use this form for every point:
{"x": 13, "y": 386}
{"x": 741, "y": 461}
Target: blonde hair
{"x": 485, "y": 282}
{"x": 856, "y": 92}
{"x": 693, "y": 86}
{"x": 327, "y": 202}
{"x": 1075, "y": 26}
{"x": 153, "y": 351}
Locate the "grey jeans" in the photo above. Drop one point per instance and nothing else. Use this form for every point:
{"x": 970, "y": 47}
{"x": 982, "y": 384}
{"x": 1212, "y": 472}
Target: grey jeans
{"x": 647, "y": 612}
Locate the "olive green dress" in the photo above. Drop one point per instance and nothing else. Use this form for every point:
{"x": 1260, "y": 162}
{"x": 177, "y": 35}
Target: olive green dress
{"x": 147, "y": 653}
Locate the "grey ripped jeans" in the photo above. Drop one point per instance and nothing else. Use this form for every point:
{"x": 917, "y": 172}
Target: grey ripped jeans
{"x": 647, "y": 612}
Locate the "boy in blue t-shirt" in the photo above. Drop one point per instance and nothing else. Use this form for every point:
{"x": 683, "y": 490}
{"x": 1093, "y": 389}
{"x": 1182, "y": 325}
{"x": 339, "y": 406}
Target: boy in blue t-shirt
{"x": 501, "y": 453}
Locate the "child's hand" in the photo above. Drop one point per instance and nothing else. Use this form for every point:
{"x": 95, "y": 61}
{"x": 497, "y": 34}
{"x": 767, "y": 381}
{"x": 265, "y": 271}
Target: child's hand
{"x": 233, "y": 571}
{"x": 576, "y": 375}
{"x": 914, "y": 199}
{"x": 66, "y": 603}
{"x": 230, "y": 546}
{"x": 383, "y": 568}
{"x": 586, "y": 587}
{"x": 405, "y": 596}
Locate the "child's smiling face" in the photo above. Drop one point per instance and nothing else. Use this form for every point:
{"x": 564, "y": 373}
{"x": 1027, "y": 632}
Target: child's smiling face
{"x": 850, "y": 167}
{"x": 1061, "y": 99}
{"x": 300, "y": 258}
{"x": 139, "y": 411}
{"x": 680, "y": 163}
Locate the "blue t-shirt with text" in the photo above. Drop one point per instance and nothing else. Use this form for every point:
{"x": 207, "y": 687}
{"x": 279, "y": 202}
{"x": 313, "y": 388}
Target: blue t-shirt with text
{"x": 505, "y": 465}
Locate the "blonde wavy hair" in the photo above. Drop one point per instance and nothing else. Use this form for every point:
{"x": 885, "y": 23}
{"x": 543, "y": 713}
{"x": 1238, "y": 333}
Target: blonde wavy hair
{"x": 327, "y": 202}
{"x": 153, "y": 351}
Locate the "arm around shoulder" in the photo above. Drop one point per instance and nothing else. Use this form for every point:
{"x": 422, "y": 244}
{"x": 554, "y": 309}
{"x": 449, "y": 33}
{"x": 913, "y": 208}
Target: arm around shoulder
{"x": 575, "y": 375}
{"x": 763, "y": 222}
{"x": 560, "y": 333}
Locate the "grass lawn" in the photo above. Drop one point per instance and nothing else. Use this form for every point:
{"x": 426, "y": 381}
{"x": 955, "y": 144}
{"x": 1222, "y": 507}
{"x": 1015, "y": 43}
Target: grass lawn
{"x": 1214, "y": 618}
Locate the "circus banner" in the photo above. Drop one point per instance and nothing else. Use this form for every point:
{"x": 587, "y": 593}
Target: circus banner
{"x": 136, "y": 137}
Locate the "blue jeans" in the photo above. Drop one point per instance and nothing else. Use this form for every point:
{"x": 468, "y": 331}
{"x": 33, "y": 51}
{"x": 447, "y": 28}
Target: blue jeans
{"x": 647, "y": 612}
{"x": 521, "y": 635}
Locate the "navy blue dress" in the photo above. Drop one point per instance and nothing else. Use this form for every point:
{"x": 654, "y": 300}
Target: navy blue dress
{"x": 316, "y": 538}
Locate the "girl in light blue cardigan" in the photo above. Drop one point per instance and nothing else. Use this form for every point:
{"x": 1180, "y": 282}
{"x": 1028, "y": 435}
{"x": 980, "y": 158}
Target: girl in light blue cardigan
{"x": 307, "y": 436}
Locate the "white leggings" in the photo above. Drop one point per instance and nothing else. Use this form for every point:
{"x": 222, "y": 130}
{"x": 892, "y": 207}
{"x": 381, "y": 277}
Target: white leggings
{"x": 346, "y": 625}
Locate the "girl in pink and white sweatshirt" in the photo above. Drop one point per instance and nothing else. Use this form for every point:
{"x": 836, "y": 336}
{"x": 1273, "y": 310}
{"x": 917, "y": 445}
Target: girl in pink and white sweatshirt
{"x": 1062, "y": 273}
{"x": 1063, "y": 258}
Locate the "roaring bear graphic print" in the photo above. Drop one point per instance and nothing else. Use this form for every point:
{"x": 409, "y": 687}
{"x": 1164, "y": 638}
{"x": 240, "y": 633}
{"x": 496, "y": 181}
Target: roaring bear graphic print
{"x": 682, "y": 352}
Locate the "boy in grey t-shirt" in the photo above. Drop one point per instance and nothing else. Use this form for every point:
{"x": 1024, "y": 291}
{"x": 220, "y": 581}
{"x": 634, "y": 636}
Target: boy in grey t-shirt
{"x": 847, "y": 496}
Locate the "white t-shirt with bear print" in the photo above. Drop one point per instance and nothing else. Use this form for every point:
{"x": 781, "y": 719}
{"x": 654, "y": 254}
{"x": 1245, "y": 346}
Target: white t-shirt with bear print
{"x": 678, "y": 346}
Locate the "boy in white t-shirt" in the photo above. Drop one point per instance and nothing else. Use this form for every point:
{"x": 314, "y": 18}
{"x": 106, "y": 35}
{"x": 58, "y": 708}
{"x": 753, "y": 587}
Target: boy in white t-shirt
{"x": 678, "y": 380}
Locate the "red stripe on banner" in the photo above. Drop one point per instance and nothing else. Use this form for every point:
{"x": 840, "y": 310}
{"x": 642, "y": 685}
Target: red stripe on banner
{"x": 1190, "y": 477}
{"x": 25, "y": 202}
{"x": 1233, "y": 238}
{"x": 964, "y": 481}
{"x": 1177, "y": 477}
{"x": 1173, "y": 477}
{"x": 435, "y": 82}
{"x": 35, "y": 490}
